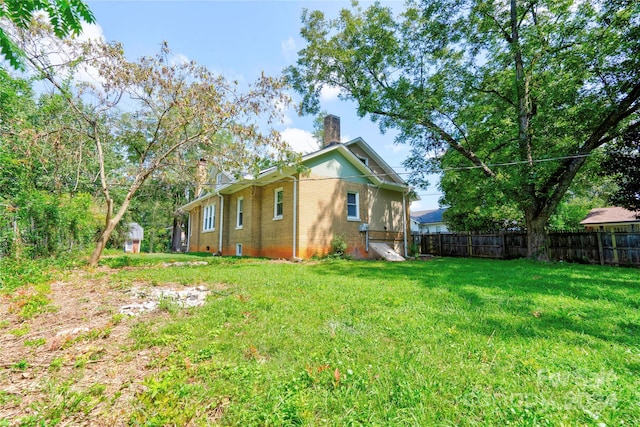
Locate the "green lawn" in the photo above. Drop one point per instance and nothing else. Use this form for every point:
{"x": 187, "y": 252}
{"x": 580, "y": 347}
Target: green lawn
{"x": 442, "y": 342}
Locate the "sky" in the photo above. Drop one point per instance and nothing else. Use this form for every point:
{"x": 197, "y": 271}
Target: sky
{"x": 241, "y": 40}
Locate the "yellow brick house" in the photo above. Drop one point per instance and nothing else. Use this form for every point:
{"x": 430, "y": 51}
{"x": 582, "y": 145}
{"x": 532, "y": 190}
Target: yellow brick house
{"x": 346, "y": 190}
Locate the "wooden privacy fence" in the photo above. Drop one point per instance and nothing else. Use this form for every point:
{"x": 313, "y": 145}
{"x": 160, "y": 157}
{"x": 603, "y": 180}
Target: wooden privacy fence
{"x": 593, "y": 247}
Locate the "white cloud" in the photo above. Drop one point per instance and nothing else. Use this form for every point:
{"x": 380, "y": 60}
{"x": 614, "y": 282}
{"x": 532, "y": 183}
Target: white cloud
{"x": 91, "y": 32}
{"x": 329, "y": 93}
{"x": 300, "y": 140}
{"x": 178, "y": 59}
{"x": 396, "y": 148}
{"x": 289, "y": 49}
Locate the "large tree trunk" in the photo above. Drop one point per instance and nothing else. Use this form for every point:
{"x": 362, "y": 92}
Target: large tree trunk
{"x": 102, "y": 242}
{"x": 537, "y": 236}
{"x": 176, "y": 235}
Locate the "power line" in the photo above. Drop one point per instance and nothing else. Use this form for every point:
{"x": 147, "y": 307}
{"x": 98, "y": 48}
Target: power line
{"x": 378, "y": 175}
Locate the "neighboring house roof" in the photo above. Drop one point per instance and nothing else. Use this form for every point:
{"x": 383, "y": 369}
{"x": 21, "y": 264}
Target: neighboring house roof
{"x": 613, "y": 215}
{"x": 430, "y": 216}
{"x": 136, "y": 232}
{"x": 387, "y": 180}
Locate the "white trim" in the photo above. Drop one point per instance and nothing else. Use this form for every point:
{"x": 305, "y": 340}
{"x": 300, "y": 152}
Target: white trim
{"x": 221, "y": 223}
{"x": 355, "y": 217}
{"x": 239, "y": 213}
{"x": 363, "y": 159}
{"x": 404, "y": 224}
{"x": 295, "y": 215}
{"x": 190, "y": 232}
{"x": 209, "y": 218}
{"x": 277, "y": 216}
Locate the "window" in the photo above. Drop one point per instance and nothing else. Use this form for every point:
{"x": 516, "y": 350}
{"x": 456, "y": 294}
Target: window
{"x": 209, "y": 218}
{"x": 238, "y": 249}
{"x": 353, "y": 208}
{"x": 240, "y": 213}
{"x": 278, "y": 203}
{"x": 364, "y": 160}
{"x": 219, "y": 180}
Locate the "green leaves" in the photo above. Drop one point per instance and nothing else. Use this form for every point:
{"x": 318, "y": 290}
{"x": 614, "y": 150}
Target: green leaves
{"x": 484, "y": 83}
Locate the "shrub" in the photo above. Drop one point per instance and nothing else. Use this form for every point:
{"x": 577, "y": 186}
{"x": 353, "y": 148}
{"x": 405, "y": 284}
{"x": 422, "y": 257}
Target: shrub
{"x": 339, "y": 246}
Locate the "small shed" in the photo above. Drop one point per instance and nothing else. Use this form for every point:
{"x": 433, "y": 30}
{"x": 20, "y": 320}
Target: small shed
{"x": 612, "y": 219}
{"x": 134, "y": 238}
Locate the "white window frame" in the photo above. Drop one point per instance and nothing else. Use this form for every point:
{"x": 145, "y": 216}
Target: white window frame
{"x": 276, "y": 215}
{"x": 209, "y": 217}
{"x": 219, "y": 179}
{"x": 239, "y": 213}
{"x": 238, "y": 249}
{"x": 364, "y": 160}
{"x": 355, "y": 217}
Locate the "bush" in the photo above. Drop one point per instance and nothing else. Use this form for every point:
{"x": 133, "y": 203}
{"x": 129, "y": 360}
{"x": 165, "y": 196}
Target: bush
{"x": 40, "y": 224}
{"x": 339, "y": 246}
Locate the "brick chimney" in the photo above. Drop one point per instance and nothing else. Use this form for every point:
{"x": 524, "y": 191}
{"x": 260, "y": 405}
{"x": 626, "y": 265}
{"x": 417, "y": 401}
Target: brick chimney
{"x": 331, "y": 130}
{"x": 201, "y": 177}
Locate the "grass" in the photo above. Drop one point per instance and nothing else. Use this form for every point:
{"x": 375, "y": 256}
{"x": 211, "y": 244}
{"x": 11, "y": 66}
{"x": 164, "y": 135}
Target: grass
{"x": 446, "y": 342}
{"x": 460, "y": 342}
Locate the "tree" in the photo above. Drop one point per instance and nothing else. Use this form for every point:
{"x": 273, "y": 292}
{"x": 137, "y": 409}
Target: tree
{"x": 623, "y": 164}
{"x": 156, "y": 113}
{"x": 65, "y": 16}
{"x": 521, "y": 93}
{"x": 43, "y": 191}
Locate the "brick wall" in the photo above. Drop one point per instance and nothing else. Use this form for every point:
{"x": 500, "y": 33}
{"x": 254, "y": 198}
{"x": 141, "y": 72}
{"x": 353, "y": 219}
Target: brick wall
{"x": 321, "y": 215}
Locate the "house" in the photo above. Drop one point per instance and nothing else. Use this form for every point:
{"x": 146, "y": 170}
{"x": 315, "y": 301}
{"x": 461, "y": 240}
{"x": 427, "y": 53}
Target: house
{"x": 612, "y": 219}
{"x": 346, "y": 190}
{"x": 429, "y": 221}
{"x": 134, "y": 238}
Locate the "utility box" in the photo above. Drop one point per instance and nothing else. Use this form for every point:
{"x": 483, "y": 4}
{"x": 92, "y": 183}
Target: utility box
{"x": 363, "y": 227}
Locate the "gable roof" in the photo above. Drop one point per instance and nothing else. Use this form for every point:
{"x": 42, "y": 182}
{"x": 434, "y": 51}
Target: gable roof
{"x": 610, "y": 216}
{"x": 136, "y": 232}
{"x": 430, "y": 216}
{"x": 390, "y": 180}
{"x": 390, "y": 173}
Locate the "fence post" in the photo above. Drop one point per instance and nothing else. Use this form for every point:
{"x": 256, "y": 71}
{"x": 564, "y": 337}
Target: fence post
{"x": 600, "y": 251}
{"x": 469, "y": 245}
{"x": 615, "y": 248}
{"x": 503, "y": 243}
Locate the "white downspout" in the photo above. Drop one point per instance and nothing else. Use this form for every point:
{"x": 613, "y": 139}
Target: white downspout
{"x": 404, "y": 223}
{"x": 189, "y": 235}
{"x": 295, "y": 216}
{"x": 221, "y": 223}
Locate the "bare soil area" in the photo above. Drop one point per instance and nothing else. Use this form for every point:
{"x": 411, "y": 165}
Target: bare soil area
{"x": 79, "y": 347}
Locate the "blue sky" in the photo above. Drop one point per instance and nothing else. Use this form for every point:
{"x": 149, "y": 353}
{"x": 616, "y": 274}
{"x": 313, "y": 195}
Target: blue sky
{"x": 241, "y": 39}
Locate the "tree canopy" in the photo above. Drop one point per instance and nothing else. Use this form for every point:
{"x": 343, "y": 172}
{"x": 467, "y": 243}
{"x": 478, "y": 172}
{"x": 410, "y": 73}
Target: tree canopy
{"x": 622, "y": 162}
{"x": 508, "y": 99}
{"x": 146, "y": 116}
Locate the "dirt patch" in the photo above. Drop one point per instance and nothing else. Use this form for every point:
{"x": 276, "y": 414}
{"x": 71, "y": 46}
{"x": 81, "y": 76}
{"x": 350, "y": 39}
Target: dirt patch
{"x": 81, "y": 347}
